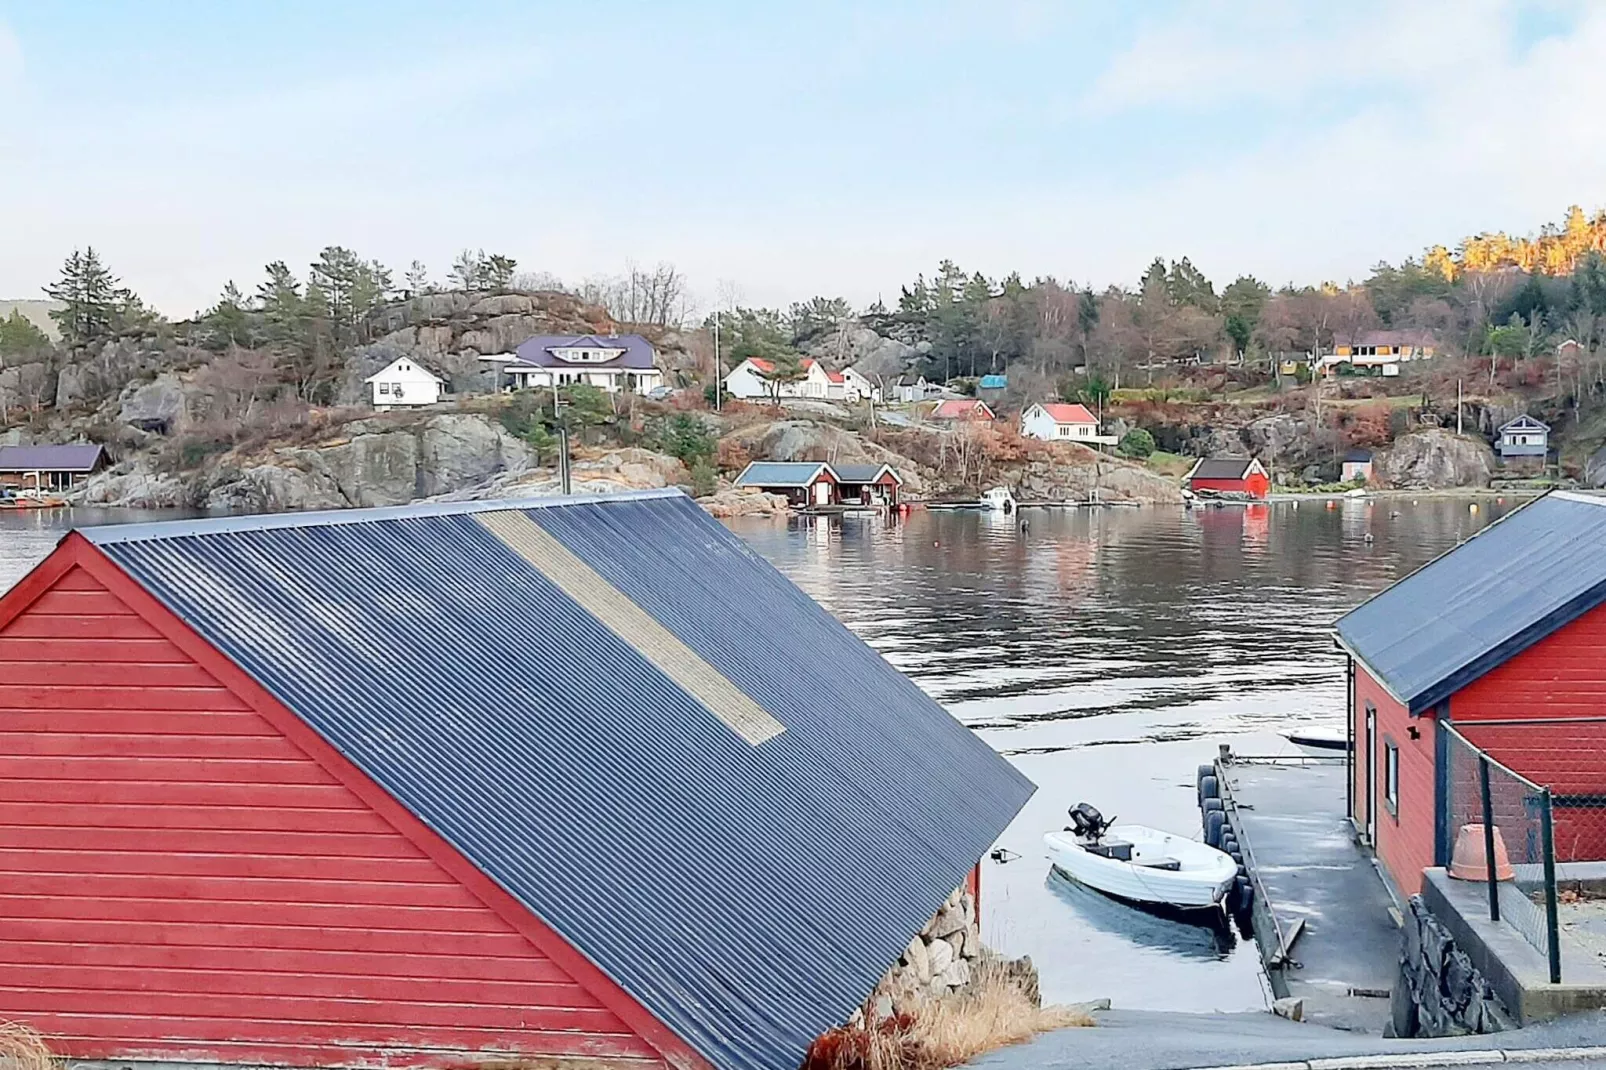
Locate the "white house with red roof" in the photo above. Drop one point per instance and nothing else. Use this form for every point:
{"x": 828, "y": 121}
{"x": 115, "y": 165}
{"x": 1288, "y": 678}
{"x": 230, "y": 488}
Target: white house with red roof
{"x": 755, "y": 378}
{"x": 1063, "y": 422}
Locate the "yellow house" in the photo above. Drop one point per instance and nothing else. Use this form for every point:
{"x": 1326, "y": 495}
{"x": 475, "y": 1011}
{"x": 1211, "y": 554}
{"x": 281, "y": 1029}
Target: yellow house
{"x": 1379, "y": 347}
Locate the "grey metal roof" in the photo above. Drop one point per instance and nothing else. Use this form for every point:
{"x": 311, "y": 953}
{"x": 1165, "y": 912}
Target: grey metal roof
{"x": 780, "y": 473}
{"x": 863, "y": 473}
{"x": 1483, "y": 602}
{"x": 1358, "y": 456}
{"x": 1221, "y": 468}
{"x": 1525, "y": 421}
{"x": 626, "y": 718}
{"x": 80, "y": 457}
{"x": 537, "y": 351}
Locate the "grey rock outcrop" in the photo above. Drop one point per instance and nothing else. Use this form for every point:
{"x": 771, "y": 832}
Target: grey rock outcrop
{"x": 156, "y": 405}
{"x": 1284, "y": 439}
{"x": 1595, "y": 469}
{"x": 1435, "y": 458}
{"x": 456, "y": 450}
{"x": 1068, "y": 472}
{"x": 26, "y": 387}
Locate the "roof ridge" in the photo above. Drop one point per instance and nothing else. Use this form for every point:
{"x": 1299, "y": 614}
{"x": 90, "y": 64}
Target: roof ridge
{"x": 109, "y": 534}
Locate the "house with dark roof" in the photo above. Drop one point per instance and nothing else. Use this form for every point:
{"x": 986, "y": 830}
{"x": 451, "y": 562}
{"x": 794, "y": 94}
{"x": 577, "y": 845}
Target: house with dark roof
{"x": 261, "y": 809}
{"x": 612, "y": 362}
{"x": 1234, "y": 475}
{"x": 868, "y": 484}
{"x": 49, "y": 467}
{"x": 1356, "y": 467}
{"x": 802, "y": 483}
{"x": 1523, "y": 437}
{"x": 1499, "y": 640}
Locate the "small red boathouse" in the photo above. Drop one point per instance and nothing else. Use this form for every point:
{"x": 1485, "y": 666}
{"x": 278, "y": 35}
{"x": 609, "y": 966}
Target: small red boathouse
{"x": 1502, "y": 639}
{"x": 1243, "y": 475}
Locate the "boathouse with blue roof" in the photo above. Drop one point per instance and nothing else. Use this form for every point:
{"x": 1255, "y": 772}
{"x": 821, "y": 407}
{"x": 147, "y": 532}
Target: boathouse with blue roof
{"x": 572, "y": 779}
{"x": 1502, "y": 639}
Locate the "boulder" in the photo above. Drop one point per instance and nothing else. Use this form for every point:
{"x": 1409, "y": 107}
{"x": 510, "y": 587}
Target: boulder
{"x": 267, "y": 488}
{"x": 369, "y": 469}
{"x": 1283, "y": 438}
{"x": 1435, "y": 458}
{"x": 137, "y": 487}
{"x": 732, "y": 502}
{"x": 919, "y": 960}
{"x": 154, "y": 406}
{"x": 955, "y": 975}
{"x": 457, "y": 451}
{"x": 948, "y": 921}
{"x": 941, "y": 953}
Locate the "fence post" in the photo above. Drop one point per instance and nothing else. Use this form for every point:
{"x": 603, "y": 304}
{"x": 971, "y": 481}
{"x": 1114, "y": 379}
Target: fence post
{"x": 1488, "y": 836}
{"x": 1553, "y": 932}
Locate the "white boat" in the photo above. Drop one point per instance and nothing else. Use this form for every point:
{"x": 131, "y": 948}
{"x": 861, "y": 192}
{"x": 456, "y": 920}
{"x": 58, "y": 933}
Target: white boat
{"x": 1140, "y": 863}
{"x": 1319, "y": 742}
{"x": 999, "y": 500}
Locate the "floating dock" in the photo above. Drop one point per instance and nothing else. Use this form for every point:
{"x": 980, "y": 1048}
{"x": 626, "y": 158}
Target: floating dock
{"x": 1327, "y": 926}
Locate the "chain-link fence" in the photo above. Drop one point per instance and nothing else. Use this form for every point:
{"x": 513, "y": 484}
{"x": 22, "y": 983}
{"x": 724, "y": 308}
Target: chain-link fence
{"x": 1502, "y": 831}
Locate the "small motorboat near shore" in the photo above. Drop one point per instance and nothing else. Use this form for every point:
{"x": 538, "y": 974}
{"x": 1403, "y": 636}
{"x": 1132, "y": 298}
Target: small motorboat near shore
{"x": 1141, "y": 864}
{"x": 1320, "y": 742}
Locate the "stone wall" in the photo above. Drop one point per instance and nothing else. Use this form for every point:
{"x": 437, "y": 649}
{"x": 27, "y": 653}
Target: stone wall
{"x": 1440, "y": 992}
{"x": 942, "y": 961}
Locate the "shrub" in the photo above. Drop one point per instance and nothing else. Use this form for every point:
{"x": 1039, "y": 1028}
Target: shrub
{"x": 23, "y": 1049}
{"x": 684, "y": 437}
{"x": 1136, "y": 443}
{"x": 704, "y": 479}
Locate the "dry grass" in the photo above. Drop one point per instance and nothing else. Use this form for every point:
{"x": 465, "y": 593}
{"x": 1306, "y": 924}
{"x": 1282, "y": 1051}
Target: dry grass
{"x": 938, "y": 1034}
{"x": 23, "y": 1049}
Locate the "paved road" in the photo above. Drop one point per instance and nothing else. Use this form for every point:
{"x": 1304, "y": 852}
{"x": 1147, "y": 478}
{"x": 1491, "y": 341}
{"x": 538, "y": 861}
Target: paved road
{"x": 1159, "y": 1040}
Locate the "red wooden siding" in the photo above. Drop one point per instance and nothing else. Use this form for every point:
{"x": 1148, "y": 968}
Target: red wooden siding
{"x": 179, "y": 877}
{"x": 1404, "y": 841}
{"x": 1560, "y": 677}
{"x": 1254, "y": 483}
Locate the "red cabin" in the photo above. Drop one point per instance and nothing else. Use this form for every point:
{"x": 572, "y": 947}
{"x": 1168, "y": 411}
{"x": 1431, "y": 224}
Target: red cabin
{"x": 1502, "y": 639}
{"x": 1243, "y": 475}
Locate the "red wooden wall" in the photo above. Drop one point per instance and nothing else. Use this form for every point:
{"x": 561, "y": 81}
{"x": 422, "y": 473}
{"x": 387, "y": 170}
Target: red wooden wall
{"x": 178, "y": 877}
{"x": 1560, "y": 679}
{"x": 1404, "y": 840}
{"x": 1254, "y": 483}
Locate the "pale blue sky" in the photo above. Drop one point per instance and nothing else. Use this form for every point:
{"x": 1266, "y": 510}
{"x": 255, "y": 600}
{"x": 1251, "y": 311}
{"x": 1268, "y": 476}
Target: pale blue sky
{"x": 787, "y": 149}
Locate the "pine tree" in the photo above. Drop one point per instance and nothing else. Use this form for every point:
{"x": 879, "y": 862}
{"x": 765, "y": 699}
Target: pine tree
{"x": 97, "y": 305}
{"x": 417, "y": 279}
{"x": 496, "y": 272}
{"x": 19, "y": 337}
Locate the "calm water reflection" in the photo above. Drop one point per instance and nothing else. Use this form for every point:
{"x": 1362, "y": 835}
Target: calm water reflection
{"x": 1106, "y": 653}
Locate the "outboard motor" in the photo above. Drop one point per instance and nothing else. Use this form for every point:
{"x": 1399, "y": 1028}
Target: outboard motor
{"x": 1087, "y": 822}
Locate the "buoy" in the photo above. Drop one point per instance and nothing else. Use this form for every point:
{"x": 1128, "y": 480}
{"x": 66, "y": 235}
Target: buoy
{"x": 1472, "y": 508}
{"x": 1332, "y": 505}
{"x": 1500, "y": 501}
{"x": 1368, "y": 537}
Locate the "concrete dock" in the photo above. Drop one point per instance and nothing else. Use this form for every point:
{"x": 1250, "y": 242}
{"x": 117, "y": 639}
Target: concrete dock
{"x": 1324, "y": 919}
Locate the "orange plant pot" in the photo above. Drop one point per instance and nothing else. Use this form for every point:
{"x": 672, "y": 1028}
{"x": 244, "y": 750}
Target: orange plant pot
{"x": 1467, "y": 862}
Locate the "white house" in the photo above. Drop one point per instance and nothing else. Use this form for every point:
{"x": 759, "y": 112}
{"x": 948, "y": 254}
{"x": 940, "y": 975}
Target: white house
{"x": 915, "y": 388}
{"x": 860, "y": 386}
{"x": 614, "y": 362}
{"x": 1059, "y": 422}
{"x": 755, "y": 378}
{"x": 404, "y": 382}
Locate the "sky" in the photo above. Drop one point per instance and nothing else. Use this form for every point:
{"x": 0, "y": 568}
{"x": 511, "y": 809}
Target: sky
{"x": 776, "y": 151}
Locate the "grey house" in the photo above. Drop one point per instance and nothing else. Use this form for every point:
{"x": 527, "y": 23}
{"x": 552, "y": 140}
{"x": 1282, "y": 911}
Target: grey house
{"x": 1523, "y": 437}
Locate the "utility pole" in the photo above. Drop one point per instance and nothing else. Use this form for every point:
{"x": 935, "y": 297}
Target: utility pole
{"x": 1458, "y": 406}
{"x": 719, "y": 379}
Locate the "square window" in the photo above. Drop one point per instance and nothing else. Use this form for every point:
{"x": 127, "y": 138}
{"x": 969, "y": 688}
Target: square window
{"x": 384, "y": 388}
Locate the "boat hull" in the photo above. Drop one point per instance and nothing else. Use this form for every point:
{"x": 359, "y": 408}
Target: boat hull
{"x": 1205, "y": 876}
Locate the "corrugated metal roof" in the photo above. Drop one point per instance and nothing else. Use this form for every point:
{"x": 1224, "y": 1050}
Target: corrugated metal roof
{"x": 780, "y": 473}
{"x": 1485, "y": 601}
{"x": 748, "y": 895}
{"x": 79, "y": 457}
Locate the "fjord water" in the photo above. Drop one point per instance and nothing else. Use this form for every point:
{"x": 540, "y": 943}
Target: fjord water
{"x": 1106, "y": 653}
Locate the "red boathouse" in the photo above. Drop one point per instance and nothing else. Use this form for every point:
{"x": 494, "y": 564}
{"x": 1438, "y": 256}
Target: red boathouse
{"x": 1503, "y": 641}
{"x": 1243, "y": 475}
{"x": 294, "y": 790}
